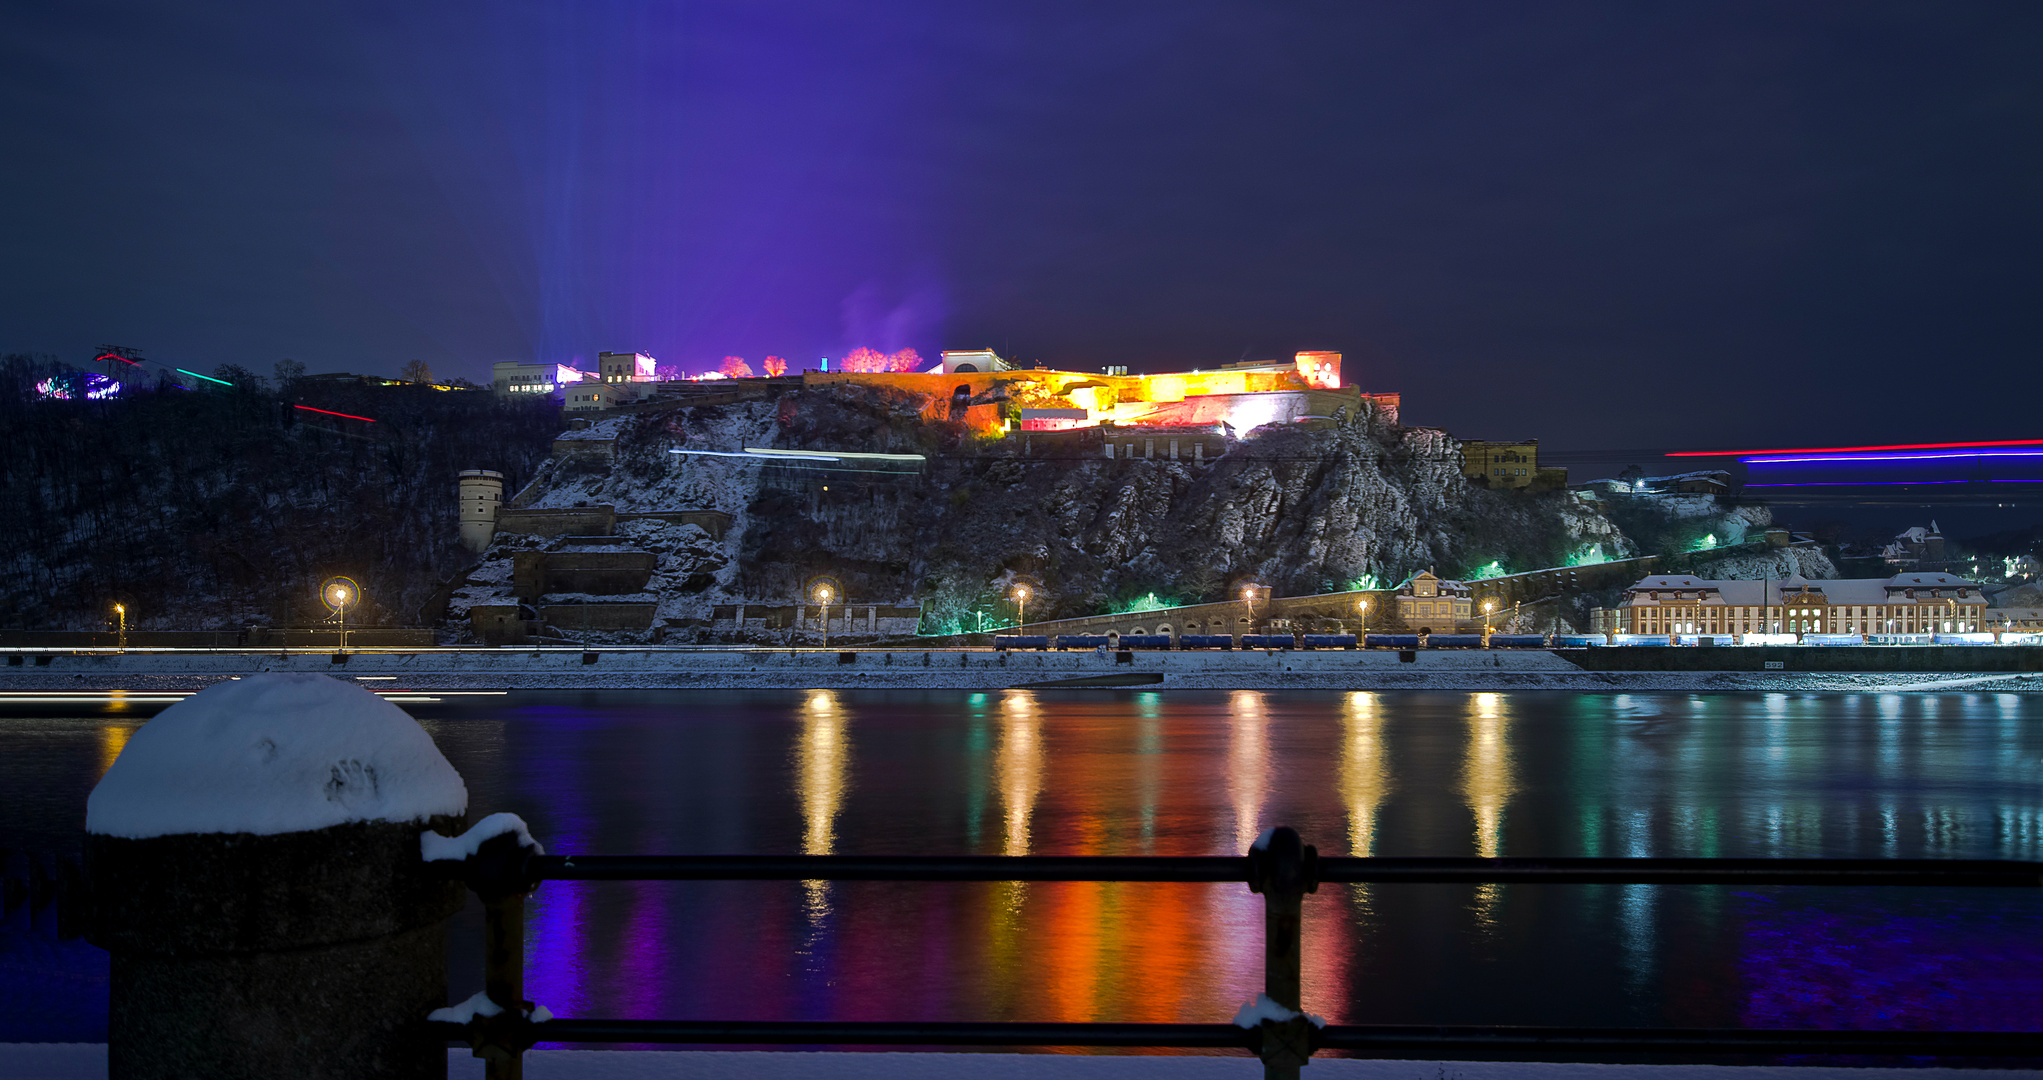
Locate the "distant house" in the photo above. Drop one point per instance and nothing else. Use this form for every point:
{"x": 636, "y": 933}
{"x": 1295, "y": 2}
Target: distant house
{"x": 1432, "y": 603}
{"x": 2027, "y": 619}
{"x": 1705, "y": 482}
{"x": 1916, "y": 548}
{"x": 1509, "y": 465}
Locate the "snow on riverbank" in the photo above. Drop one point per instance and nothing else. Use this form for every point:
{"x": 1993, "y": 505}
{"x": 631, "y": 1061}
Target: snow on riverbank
{"x": 85, "y": 1061}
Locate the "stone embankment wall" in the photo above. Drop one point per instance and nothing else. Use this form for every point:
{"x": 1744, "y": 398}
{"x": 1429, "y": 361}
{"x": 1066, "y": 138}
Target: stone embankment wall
{"x": 483, "y": 669}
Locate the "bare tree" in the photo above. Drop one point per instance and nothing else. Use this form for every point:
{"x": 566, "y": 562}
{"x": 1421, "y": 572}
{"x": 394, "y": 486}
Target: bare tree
{"x": 415, "y": 371}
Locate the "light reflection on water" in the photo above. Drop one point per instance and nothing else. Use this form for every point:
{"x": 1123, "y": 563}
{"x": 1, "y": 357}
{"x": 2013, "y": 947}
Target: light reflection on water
{"x": 1019, "y": 772}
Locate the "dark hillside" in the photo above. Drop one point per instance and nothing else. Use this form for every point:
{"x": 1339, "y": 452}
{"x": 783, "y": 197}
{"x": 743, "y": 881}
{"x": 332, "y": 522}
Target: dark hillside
{"x": 221, "y": 510}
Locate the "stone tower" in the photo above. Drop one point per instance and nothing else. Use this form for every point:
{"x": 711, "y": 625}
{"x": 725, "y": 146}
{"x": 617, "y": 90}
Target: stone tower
{"x": 482, "y": 493}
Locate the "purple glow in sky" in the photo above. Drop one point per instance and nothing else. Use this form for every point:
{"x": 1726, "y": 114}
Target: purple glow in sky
{"x": 1530, "y": 220}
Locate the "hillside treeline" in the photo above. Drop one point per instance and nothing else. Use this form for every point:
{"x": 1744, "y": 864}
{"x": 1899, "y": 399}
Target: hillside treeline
{"x": 227, "y": 509}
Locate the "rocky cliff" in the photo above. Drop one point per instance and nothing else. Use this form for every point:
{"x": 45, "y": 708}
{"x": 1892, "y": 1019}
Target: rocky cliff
{"x": 1357, "y": 503}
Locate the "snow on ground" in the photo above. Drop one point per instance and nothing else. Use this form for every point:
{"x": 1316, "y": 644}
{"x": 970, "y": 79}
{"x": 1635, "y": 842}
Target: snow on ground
{"x": 274, "y": 753}
{"x": 86, "y": 1061}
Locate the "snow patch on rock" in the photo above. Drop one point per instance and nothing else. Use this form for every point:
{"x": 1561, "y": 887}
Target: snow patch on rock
{"x": 437, "y": 848}
{"x": 1262, "y": 1008}
{"x": 481, "y": 1005}
{"x": 273, "y": 754}
{"x": 478, "y": 1005}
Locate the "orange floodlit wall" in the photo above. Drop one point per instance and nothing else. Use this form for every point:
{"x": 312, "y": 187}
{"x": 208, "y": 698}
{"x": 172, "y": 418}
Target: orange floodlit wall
{"x": 1244, "y": 397}
{"x": 1321, "y": 370}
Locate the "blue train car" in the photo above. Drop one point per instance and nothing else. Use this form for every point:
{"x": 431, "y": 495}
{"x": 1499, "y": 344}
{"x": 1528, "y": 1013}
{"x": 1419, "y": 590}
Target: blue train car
{"x": 1391, "y": 641}
{"x": 1081, "y": 641}
{"x": 1267, "y": 641}
{"x": 1578, "y": 641}
{"x": 1329, "y": 641}
{"x": 1454, "y": 641}
{"x": 1020, "y": 641}
{"x": 1517, "y": 641}
{"x": 1641, "y": 639}
{"x": 1145, "y": 641}
{"x": 1205, "y": 641}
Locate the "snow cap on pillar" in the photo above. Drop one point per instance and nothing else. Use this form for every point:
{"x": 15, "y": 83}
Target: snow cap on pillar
{"x": 274, "y": 754}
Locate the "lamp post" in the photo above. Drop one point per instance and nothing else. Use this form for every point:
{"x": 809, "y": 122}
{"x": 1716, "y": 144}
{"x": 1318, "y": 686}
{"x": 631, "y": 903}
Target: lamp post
{"x": 339, "y": 594}
{"x": 121, "y": 613}
{"x": 1248, "y": 607}
{"x": 823, "y": 598}
{"x": 1021, "y": 606}
{"x": 1488, "y": 606}
{"x": 1362, "y": 610}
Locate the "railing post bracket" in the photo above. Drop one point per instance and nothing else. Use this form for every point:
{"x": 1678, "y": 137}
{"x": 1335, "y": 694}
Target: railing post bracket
{"x": 1283, "y": 869}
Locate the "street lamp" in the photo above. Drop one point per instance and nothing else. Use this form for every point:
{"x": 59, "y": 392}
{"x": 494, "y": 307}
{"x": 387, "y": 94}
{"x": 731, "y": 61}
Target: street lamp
{"x": 121, "y": 612}
{"x": 1248, "y": 607}
{"x": 1488, "y": 606}
{"x": 823, "y": 597}
{"x": 1021, "y": 606}
{"x": 1362, "y": 607}
{"x": 340, "y": 594}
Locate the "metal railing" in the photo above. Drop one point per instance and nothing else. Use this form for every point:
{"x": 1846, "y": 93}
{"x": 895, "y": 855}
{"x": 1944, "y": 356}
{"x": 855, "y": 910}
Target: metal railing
{"x": 1282, "y": 870}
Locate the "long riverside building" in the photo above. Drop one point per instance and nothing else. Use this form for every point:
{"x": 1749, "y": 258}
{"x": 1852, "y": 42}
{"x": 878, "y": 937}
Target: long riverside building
{"x": 1906, "y": 603}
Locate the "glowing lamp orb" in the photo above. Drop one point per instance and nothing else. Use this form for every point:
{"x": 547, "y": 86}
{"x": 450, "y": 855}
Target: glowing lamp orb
{"x": 1021, "y": 592}
{"x": 824, "y": 595}
{"x": 340, "y": 593}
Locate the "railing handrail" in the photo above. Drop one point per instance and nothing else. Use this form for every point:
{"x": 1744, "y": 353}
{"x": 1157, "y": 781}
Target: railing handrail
{"x": 1384, "y": 1039}
{"x": 1281, "y": 867}
{"x": 1234, "y": 869}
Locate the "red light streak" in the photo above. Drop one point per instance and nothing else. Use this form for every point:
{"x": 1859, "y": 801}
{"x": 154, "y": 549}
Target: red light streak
{"x": 348, "y": 416}
{"x": 115, "y": 356}
{"x": 1855, "y": 449}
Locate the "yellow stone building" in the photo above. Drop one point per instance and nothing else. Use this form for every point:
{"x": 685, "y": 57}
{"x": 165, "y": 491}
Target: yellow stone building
{"x": 1433, "y": 603}
{"x": 1509, "y": 465}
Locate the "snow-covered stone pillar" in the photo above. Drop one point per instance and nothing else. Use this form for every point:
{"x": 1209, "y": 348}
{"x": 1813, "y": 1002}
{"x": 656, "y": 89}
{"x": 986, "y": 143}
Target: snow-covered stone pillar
{"x": 256, "y": 873}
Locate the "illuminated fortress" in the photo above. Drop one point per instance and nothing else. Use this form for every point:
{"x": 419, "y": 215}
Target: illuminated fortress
{"x": 992, "y": 395}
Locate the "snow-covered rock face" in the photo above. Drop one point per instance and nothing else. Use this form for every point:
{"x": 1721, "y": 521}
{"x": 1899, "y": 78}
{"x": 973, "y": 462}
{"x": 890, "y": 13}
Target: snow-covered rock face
{"x": 1300, "y": 511}
{"x": 1775, "y": 563}
{"x": 274, "y": 754}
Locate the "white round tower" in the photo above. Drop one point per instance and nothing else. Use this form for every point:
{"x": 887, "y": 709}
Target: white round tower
{"x": 482, "y": 492}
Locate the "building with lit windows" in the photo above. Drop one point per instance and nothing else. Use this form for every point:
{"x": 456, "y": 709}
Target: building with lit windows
{"x": 1908, "y": 603}
{"x": 512, "y": 377}
{"x": 1429, "y": 602}
{"x": 590, "y": 396}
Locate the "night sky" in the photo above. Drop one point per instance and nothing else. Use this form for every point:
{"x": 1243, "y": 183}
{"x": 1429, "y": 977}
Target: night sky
{"x": 1608, "y": 225}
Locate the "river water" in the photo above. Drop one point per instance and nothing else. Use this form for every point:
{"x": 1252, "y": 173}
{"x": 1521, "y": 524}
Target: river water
{"x": 1101, "y": 773}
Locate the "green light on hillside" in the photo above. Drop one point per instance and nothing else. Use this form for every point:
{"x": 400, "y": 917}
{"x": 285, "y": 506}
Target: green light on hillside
{"x": 208, "y": 378}
{"x": 1588, "y": 556}
{"x": 1490, "y": 569}
{"x": 1366, "y": 583}
{"x": 1147, "y": 603}
{"x": 1707, "y": 543}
